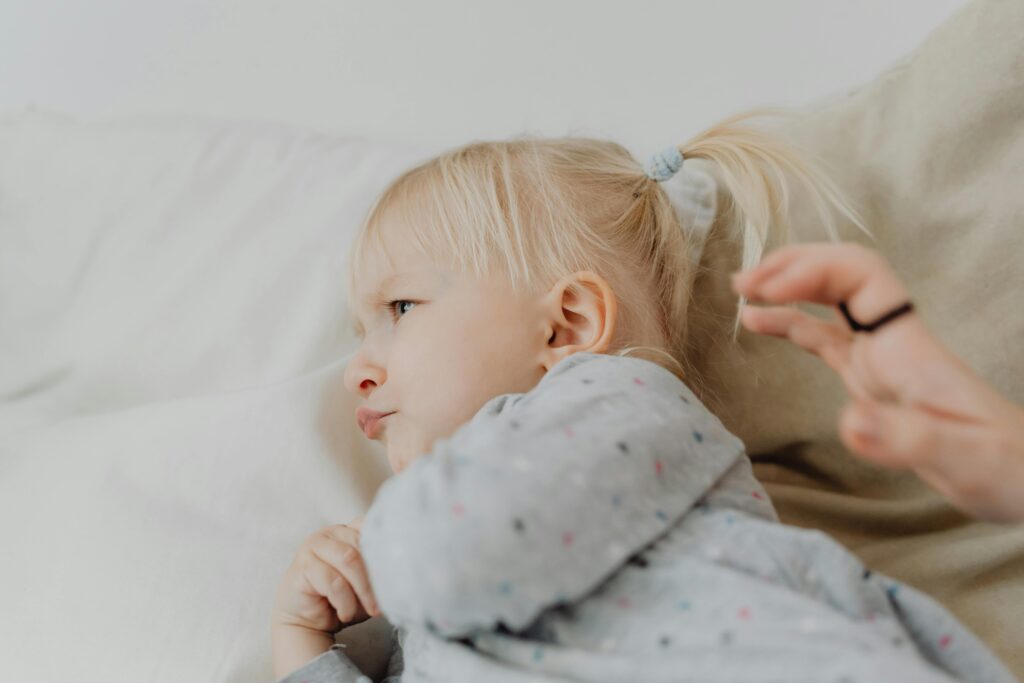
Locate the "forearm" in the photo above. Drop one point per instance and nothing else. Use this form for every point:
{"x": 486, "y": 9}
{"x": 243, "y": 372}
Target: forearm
{"x": 294, "y": 646}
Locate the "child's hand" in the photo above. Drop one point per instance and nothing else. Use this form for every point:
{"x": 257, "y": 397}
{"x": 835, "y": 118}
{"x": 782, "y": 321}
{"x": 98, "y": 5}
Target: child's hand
{"x": 922, "y": 407}
{"x": 326, "y": 587}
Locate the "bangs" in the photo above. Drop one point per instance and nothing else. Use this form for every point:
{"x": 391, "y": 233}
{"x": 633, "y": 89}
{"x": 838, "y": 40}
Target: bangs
{"x": 464, "y": 212}
{"x": 411, "y": 214}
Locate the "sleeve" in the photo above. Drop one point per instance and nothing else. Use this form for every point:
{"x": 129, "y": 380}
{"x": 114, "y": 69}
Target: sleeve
{"x": 541, "y": 496}
{"x": 332, "y": 666}
{"x": 396, "y": 664}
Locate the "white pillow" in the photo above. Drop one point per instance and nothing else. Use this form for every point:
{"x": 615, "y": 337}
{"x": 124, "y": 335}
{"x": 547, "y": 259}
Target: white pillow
{"x": 172, "y": 419}
{"x": 150, "y": 258}
{"x": 145, "y": 544}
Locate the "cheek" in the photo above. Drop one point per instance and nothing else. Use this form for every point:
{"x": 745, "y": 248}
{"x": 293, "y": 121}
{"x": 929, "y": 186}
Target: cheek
{"x": 443, "y": 392}
{"x": 445, "y": 372}
{"x": 432, "y": 358}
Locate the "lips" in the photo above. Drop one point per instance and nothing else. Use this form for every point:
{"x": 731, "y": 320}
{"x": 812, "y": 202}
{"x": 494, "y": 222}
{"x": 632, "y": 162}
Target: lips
{"x": 369, "y": 420}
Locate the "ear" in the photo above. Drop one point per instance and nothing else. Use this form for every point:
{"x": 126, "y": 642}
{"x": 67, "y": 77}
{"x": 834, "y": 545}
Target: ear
{"x": 581, "y": 314}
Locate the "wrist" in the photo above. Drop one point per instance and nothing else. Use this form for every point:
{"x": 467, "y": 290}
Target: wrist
{"x": 294, "y": 646}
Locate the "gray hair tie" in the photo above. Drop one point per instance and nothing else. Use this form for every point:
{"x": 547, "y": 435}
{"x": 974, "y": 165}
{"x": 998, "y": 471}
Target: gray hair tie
{"x": 664, "y": 164}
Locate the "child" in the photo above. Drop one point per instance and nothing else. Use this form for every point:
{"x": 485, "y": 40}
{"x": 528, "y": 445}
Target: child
{"x": 566, "y": 508}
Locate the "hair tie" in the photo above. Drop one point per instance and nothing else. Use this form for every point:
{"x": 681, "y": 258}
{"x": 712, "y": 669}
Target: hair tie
{"x": 858, "y": 326}
{"x": 664, "y": 164}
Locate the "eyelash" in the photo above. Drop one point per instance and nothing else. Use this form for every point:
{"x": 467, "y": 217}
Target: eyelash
{"x": 391, "y": 306}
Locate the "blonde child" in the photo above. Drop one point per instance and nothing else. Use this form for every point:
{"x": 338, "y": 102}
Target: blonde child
{"x": 565, "y": 507}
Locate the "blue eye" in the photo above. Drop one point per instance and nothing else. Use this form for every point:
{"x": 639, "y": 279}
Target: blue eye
{"x": 395, "y": 305}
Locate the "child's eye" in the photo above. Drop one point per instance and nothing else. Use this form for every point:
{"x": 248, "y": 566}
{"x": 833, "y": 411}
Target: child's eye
{"x": 395, "y": 306}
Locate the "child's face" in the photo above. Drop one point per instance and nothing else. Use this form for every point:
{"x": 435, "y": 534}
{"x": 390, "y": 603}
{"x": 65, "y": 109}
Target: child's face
{"x": 437, "y": 359}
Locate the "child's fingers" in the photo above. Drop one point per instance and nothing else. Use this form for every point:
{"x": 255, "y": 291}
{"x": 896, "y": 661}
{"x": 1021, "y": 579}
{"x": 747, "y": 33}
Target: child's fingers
{"x": 334, "y": 548}
{"x": 827, "y": 340}
{"x": 326, "y": 581}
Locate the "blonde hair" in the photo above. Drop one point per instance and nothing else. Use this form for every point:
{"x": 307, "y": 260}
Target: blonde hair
{"x": 536, "y": 210}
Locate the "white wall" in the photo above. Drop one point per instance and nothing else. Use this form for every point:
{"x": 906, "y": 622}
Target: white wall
{"x": 645, "y": 73}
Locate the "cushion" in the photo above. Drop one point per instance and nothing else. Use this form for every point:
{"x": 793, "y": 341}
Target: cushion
{"x": 932, "y": 154}
{"x": 152, "y": 538}
{"x": 173, "y": 422}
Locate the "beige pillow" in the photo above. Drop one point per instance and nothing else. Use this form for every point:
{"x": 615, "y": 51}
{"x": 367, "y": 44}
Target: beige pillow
{"x": 932, "y": 152}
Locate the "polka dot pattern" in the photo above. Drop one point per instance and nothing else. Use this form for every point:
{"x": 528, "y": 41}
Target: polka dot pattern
{"x": 619, "y": 523}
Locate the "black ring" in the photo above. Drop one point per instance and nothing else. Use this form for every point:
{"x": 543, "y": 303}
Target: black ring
{"x": 871, "y": 327}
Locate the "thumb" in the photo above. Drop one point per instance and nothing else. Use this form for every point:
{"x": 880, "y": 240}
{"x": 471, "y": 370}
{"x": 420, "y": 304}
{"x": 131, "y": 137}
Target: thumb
{"x": 905, "y": 437}
{"x": 968, "y": 462}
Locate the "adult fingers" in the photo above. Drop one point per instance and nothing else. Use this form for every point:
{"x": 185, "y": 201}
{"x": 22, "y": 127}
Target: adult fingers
{"x": 828, "y": 274}
{"x": 827, "y": 340}
{"x": 335, "y": 547}
{"x": 773, "y": 262}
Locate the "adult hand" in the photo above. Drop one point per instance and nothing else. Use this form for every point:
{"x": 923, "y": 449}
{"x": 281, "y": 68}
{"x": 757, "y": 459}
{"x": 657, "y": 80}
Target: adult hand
{"x": 916, "y": 405}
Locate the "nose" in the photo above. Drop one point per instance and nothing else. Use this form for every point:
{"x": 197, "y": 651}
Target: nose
{"x": 362, "y": 376}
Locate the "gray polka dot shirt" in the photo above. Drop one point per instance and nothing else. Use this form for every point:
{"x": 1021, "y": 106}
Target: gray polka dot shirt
{"x": 605, "y": 526}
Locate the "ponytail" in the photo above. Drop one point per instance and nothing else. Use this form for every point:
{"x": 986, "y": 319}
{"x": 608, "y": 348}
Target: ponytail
{"x": 755, "y": 166}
